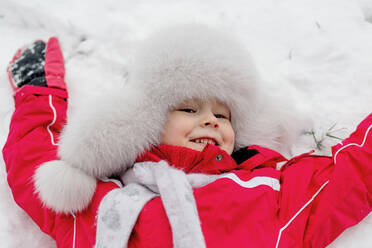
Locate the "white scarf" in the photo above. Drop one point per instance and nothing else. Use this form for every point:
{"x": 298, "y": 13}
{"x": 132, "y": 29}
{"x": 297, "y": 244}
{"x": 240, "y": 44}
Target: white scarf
{"x": 119, "y": 210}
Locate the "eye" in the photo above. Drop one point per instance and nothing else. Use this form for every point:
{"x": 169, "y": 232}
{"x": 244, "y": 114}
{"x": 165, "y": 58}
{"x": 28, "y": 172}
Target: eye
{"x": 221, "y": 116}
{"x": 187, "y": 110}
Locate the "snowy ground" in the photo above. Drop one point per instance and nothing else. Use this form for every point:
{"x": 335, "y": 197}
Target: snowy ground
{"x": 316, "y": 53}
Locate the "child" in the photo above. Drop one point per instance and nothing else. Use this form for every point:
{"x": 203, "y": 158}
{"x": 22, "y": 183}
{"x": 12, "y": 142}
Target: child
{"x": 192, "y": 100}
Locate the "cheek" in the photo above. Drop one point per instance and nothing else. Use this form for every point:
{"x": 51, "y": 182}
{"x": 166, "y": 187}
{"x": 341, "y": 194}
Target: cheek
{"x": 168, "y": 135}
{"x": 229, "y": 138}
{"x": 175, "y": 131}
{"x": 229, "y": 134}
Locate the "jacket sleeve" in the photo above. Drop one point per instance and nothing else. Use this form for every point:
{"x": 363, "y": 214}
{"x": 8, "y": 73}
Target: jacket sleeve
{"x": 322, "y": 196}
{"x": 40, "y": 114}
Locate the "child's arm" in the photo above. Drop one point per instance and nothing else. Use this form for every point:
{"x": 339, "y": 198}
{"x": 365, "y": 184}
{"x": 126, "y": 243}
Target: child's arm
{"x": 37, "y": 120}
{"x": 36, "y": 74}
{"x": 322, "y": 196}
{"x": 37, "y": 77}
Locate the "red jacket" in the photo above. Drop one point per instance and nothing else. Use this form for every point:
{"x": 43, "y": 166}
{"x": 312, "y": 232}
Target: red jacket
{"x": 307, "y": 203}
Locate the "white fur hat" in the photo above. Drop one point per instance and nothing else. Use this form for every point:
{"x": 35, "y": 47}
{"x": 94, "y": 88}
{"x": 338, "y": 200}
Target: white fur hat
{"x": 178, "y": 63}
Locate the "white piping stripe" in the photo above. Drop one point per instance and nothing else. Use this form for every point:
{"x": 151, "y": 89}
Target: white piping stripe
{"x": 54, "y": 120}
{"x": 290, "y": 221}
{"x": 74, "y": 237}
{"x": 53, "y": 143}
{"x": 312, "y": 198}
{"x": 353, "y": 144}
{"x": 254, "y": 182}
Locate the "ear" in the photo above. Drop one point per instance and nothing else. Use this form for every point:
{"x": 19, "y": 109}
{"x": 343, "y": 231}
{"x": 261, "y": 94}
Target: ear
{"x": 63, "y": 188}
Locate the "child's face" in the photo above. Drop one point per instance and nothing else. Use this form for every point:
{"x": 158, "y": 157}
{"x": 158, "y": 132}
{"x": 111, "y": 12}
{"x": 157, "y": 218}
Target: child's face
{"x": 194, "y": 123}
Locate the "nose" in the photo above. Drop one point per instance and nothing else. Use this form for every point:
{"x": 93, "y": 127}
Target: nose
{"x": 210, "y": 120}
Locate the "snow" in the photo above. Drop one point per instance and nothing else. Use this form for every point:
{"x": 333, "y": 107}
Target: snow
{"x": 315, "y": 53}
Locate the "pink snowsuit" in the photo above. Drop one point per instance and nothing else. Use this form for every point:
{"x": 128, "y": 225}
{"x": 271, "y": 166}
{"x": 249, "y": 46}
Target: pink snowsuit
{"x": 307, "y": 203}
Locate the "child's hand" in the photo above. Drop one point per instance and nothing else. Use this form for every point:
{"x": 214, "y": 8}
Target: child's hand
{"x": 38, "y": 64}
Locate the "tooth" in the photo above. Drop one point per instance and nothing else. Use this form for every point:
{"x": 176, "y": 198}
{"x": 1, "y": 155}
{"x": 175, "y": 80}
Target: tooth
{"x": 205, "y": 141}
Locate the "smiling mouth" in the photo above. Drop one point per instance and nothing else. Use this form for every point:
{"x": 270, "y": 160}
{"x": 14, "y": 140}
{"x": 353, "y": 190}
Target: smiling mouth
{"x": 205, "y": 141}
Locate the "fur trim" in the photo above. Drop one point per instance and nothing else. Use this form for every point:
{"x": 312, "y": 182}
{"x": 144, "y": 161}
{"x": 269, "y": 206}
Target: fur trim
{"x": 63, "y": 188}
{"x": 175, "y": 64}
{"x": 106, "y": 139}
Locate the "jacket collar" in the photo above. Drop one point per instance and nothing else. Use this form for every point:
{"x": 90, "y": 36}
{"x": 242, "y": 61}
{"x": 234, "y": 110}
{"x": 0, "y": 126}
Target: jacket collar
{"x": 265, "y": 157}
{"x": 212, "y": 160}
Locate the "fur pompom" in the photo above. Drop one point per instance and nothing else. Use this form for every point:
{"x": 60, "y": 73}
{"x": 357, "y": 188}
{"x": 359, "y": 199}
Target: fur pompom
{"x": 63, "y": 188}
